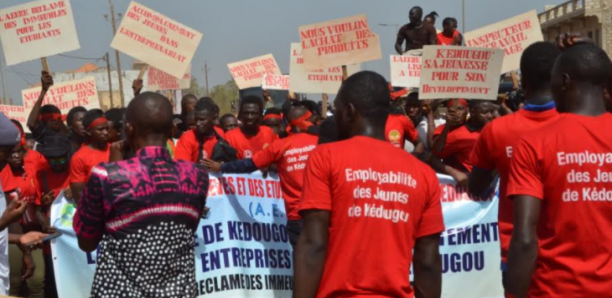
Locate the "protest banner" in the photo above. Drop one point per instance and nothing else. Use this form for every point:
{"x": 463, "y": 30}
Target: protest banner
{"x": 406, "y": 69}
{"x": 15, "y": 112}
{"x": 156, "y": 40}
{"x": 460, "y": 72}
{"x": 246, "y": 208}
{"x": 326, "y": 80}
{"x": 513, "y": 35}
{"x": 247, "y": 218}
{"x": 37, "y": 29}
{"x": 249, "y": 73}
{"x": 275, "y": 82}
{"x": 65, "y": 95}
{"x": 339, "y": 42}
{"x": 158, "y": 80}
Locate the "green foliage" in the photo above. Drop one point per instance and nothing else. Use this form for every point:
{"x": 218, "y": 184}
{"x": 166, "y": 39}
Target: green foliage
{"x": 224, "y": 94}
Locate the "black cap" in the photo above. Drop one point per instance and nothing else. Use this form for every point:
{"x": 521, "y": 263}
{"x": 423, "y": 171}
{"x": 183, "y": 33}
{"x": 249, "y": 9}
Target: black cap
{"x": 54, "y": 146}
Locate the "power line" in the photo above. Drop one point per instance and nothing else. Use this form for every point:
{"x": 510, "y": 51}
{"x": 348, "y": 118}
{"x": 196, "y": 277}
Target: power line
{"x": 82, "y": 58}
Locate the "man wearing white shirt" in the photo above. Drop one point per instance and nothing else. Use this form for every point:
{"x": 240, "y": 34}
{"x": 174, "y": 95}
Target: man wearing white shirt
{"x": 420, "y": 117}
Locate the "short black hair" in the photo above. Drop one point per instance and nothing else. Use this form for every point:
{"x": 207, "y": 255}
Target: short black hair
{"x": 205, "y": 105}
{"x": 369, "y": 93}
{"x": 537, "y": 63}
{"x": 432, "y": 15}
{"x": 151, "y": 114}
{"x": 417, "y": 8}
{"x": 310, "y": 105}
{"x": 70, "y": 117}
{"x": 252, "y": 99}
{"x": 274, "y": 111}
{"x": 585, "y": 63}
{"x": 116, "y": 116}
{"x": 448, "y": 21}
{"x": 226, "y": 116}
{"x": 211, "y": 101}
{"x": 91, "y": 116}
{"x": 50, "y": 109}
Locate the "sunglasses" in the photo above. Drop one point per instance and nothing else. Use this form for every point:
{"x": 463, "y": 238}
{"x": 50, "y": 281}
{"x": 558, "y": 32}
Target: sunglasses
{"x": 58, "y": 161}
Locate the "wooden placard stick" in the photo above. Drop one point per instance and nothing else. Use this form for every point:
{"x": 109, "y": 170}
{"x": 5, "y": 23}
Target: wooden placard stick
{"x": 142, "y": 72}
{"x": 324, "y": 98}
{"x": 45, "y": 64}
{"x": 515, "y": 81}
{"x": 344, "y": 73}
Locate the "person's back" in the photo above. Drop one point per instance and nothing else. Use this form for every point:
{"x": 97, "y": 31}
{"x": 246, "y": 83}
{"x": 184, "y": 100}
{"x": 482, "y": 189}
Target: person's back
{"x": 384, "y": 201}
{"x": 143, "y": 212}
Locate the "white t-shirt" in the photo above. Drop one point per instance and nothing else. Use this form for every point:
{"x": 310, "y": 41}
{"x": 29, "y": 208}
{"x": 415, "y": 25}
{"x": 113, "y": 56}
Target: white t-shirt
{"x": 4, "y": 258}
{"x": 422, "y": 130}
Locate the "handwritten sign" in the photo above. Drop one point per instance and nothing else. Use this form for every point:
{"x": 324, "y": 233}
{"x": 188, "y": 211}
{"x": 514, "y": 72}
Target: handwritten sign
{"x": 275, "y": 82}
{"x": 16, "y": 112}
{"x": 156, "y": 40}
{"x": 66, "y": 95}
{"x": 37, "y": 29}
{"x": 158, "y": 80}
{"x": 460, "y": 72}
{"x": 406, "y": 70}
{"x": 249, "y": 73}
{"x": 339, "y": 42}
{"x": 513, "y": 35}
{"x": 326, "y": 80}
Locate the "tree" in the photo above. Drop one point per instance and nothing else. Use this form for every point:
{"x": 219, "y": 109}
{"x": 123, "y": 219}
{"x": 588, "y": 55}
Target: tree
{"x": 224, "y": 94}
{"x": 194, "y": 89}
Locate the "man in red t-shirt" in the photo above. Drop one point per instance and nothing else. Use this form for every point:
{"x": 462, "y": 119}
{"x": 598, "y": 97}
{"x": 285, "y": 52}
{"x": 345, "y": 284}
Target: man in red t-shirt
{"x": 367, "y": 206}
{"x": 197, "y": 144}
{"x": 455, "y": 147}
{"x": 290, "y": 155}
{"x": 494, "y": 147}
{"x": 560, "y": 178}
{"x": 251, "y": 137}
{"x": 94, "y": 152}
{"x": 450, "y": 36}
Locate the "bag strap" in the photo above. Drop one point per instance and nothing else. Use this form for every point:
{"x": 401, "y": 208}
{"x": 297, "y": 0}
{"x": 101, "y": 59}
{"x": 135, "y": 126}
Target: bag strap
{"x": 45, "y": 182}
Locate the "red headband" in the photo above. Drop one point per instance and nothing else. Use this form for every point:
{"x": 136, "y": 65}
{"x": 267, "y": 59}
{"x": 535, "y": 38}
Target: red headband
{"x": 50, "y": 116}
{"x": 460, "y": 101}
{"x": 397, "y": 94}
{"x": 301, "y": 122}
{"x": 272, "y": 116}
{"x": 97, "y": 122}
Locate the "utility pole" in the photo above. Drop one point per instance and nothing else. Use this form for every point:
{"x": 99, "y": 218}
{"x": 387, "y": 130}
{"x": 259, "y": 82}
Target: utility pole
{"x": 4, "y": 91}
{"x": 117, "y": 57}
{"x": 110, "y": 82}
{"x": 206, "y": 77}
{"x": 463, "y": 16}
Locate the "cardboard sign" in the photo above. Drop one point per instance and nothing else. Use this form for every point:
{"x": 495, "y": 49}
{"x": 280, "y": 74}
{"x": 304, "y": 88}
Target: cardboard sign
{"x": 406, "y": 70}
{"x": 275, "y": 82}
{"x": 326, "y": 80}
{"x": 158, "y": 80}
{"x": 512, "y": 35}
{"x": 66, "y": 95}
{"x": 156, "y": 40}
{"x": 16, "y": 112}
{"x": 249, "y": 73}
{"x": 339, "y": 42}
{"x": 460, "y": 72}
{"x": 37, "y": 29}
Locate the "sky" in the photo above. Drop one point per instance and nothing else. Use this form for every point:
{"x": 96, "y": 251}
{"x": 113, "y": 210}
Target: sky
{"x": 234, "y": 30}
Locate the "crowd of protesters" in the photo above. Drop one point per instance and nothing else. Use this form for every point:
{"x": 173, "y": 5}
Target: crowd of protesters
{"x": 101, "y": 159}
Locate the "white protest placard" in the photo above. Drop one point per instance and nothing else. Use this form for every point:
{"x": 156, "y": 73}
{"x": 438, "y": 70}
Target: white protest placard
{"x": 37, "y": 29}
{"x": 65, "y": 95}
{"x": 16, "y": 112}
{"x": 460, "y": 72}
{"x": 406, "y": 70}
{"x": 339, "y": 42}
{"x": 513, "y": 35}
{"x": 249, "y": 73}
{"x": 327, "y": 80}
{"x": 157, "y": 40}
{"x": 276, "y": 82}
{"x": 158, "y": 80}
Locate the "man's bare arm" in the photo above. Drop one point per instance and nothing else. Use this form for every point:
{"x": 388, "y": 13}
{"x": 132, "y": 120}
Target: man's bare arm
{"x": 310, "y": 253}
{"x": 427, "y": 267}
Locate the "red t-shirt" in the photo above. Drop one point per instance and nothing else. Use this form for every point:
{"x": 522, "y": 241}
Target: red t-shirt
{"x": 23, "y": 183}
{"x": 493, "y": 151}
{"x": 379, "y": 206}
{"x": 458, "y": 148}
{"x": 84, "y": 160}
{"x": 35, "y": 161}
{"x": 290, "y": 155}
{"x": 188, "y": 146}
{"x": 568, "y": 165}
{"x": 248, "y": 146}
{"x": 447, "y": 41}
{"x": 398, "y": 129}
{"x": 56, "y": 182}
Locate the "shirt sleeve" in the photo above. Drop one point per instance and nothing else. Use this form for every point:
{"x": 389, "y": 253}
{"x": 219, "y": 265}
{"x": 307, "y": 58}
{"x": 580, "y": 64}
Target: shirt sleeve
{"x": 78, "y": 170}
{"x": 525, "y": 172}
{"x": 268, "y": 155}
{"x": 449, "y": 147}
{"x": 88, "y": 220}
{"x": 482, "y": 154}
{"x": 184, "y": 149}
{"x": 432, "y": 221}
{"x": 317, "y": 182}
{"x": 410, "y": 132}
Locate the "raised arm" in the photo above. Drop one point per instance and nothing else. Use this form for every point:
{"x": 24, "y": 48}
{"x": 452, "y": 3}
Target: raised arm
{"x": 46, "y": 81}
